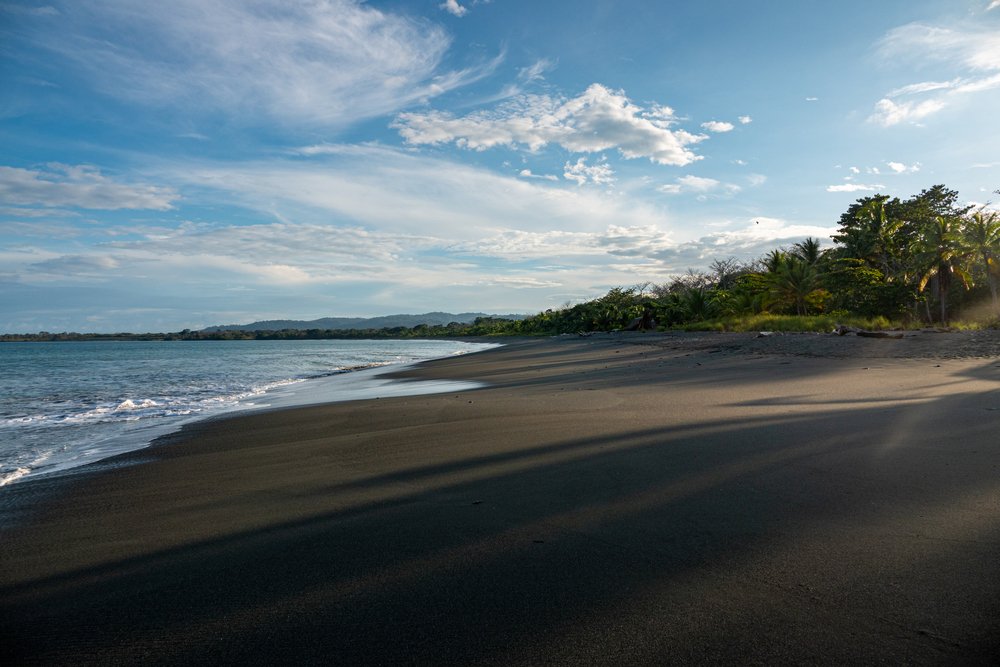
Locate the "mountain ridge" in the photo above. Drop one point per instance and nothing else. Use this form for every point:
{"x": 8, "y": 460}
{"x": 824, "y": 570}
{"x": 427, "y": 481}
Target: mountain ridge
{"x": 380, "y": 322}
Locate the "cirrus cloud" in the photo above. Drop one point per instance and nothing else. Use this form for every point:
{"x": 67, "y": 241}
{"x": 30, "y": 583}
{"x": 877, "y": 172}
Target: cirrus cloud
{"x": 973, "y": 54}
{"x": 312, "y": 62}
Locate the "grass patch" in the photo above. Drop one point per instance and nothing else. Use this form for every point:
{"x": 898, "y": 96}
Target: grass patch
{"x": 804, "y": 323}
{"x": 971, "y": 325}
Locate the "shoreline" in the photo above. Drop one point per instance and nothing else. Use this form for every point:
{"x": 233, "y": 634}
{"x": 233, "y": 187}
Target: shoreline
{"x": 344, "y": 384}
{"x": 619, "y": 498}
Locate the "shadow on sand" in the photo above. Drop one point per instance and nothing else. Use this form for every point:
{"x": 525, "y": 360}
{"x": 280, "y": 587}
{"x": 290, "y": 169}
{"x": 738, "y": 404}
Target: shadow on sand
{"x": 841, "y": 533}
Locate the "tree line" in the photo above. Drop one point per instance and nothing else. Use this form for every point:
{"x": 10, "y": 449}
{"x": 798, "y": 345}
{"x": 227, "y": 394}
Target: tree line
{"x": 920, "y": 260}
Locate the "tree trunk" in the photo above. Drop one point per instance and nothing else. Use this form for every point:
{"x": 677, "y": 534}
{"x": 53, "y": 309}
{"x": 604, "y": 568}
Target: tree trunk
{"x": 944, "y": 282}
{"x": 991, "y": 279}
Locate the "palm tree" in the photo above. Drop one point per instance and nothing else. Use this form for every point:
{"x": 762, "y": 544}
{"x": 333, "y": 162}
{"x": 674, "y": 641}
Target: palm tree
{"x": 697, "y": 304}
{"x": 981, "y": 233}
{"x": 742, "y": 302}
{"x": 939, "y": 252}
{"x": 809, "y": 250}
{"x": 773, "y": 260}
{"x": 793, "y": 281}
{"x": 873, "y": 233}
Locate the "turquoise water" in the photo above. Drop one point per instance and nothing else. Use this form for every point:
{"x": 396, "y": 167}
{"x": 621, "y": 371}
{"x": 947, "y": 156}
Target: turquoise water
{"x": 66, "y": 404}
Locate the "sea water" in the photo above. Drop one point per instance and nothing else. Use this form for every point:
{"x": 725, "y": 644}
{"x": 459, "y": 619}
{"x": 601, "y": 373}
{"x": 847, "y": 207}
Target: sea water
{"x": 66, "y": 404}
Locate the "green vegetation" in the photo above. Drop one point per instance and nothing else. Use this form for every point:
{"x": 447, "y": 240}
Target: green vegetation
{"x": 894, "y": 263}
{"x": 769, "y": 322}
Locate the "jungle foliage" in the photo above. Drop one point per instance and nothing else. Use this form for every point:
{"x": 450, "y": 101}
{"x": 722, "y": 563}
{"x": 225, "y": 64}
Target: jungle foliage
{"x": 922, "y": 260}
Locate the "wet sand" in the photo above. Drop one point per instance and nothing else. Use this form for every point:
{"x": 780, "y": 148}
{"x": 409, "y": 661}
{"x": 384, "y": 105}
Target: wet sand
{"x": 630, "y": 499}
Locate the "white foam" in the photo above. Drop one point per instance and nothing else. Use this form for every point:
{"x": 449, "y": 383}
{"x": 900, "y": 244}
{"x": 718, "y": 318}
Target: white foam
{"x": 13, "y": 476}
{"x": 129, "y": 404}
{"x": 361, "y": 385}
{"x": 84, "y": 427}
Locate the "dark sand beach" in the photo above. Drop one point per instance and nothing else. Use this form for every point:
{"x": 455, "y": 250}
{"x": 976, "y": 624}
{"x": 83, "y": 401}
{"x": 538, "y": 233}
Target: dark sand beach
{"x": 631, "y": 499}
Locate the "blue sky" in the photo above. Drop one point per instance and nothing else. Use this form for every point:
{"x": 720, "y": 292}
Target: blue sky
{"x": 177, "y": 165}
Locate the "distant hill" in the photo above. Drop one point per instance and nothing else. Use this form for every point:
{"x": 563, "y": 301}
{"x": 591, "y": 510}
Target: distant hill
{"x": 384, "y": 322}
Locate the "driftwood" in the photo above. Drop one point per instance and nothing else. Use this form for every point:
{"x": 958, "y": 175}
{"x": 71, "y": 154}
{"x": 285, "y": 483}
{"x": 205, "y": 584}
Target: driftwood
{"x": 879, "y": 334}
{"x": 842, "y": 330}
{"x": 643, "y": 323}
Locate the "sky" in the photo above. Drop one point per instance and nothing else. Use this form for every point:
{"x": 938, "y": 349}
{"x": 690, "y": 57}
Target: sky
{"x": 171, "y": 165}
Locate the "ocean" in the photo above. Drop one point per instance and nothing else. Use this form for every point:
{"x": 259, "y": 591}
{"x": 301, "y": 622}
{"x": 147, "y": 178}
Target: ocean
{"x": 67, "y": 404}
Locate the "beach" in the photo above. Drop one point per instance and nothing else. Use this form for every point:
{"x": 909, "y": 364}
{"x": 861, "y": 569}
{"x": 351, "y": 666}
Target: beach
{"x": 612, "y": 499}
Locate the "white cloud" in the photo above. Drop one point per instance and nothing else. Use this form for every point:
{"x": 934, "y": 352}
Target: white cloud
{"x": 599, "y": 119}
{"x": 745, "y": 243}
{"x": 854, "y": 187}
{"x": 286, "y": 253}
{"x": 376, "y": 216}
{"x": 855, "y": 170}
{"x": 520, "y": 245}
{"x": 993, "y": 5}
{"x": 699, "y": 185}
{"x": 326, "y": 62}
{"x": 526, "y": 76}
{"x": 974, "y": 54}
{"x": 12, "y": 212}
{"x": 718, "y": 126}
{"x": 36, "y": 11}
{"x": 89, "y": 268}
{"x": 81, "y": 186}
{"x": 535, "y": 72}
{"x": 326, "y": 149}
{"x": 581, "y": 172}
{"x": 745, "y": 120}
{"x": 371, "y": 186}
{"x": 812, "y": 99}
{"x": 978, "y": 85}
{"x": 526, "y": 173}
{"x": 397, "y": 227}
{"x": 522, "y": 282}
{"x": 641, "y": 242}
{"x": 923, "y": 87}
{"x": 452, "y": 7}
{"x": 888, "y": 113}
{"x": 900, "y": 168}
